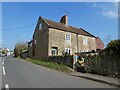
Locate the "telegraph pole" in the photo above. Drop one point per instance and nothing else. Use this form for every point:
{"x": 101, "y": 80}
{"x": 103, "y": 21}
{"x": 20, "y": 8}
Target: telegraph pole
{"x": 18, "y": 38}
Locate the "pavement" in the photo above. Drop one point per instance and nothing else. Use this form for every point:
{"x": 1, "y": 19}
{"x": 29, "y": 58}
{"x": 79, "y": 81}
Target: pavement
{"x": 98, "y": 78}
{"x": 23, "y": 74}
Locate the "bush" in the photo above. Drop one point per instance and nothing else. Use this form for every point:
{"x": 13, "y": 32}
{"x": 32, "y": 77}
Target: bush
{"x": 113, "y": 47}
{"x": 19, "y": 47}
{"x": 4, "y": 51}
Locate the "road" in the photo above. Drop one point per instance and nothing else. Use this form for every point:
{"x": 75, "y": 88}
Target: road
{"x": 23, "y": 74}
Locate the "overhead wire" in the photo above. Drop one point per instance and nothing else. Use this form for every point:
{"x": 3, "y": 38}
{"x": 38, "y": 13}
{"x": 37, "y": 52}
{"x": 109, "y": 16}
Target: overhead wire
{"x": 18, "y": 28}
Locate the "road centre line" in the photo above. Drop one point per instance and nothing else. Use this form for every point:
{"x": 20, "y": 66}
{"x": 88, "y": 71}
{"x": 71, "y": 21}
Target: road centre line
{"x": 3, "y": 62}
{"x": 6, "y": 86}
{"x": 4, "y": 71}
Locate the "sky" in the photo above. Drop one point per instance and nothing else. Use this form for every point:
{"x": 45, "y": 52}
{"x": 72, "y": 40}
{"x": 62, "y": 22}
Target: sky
{"x": 20, "y": 18}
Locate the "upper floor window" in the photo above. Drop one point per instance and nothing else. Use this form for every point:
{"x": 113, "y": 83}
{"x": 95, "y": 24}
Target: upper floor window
{"x": 85, "y": 40}
{"x": 40, "y": 26}
{"x": 68, "y": 37}
{"x": 35, "y": 41}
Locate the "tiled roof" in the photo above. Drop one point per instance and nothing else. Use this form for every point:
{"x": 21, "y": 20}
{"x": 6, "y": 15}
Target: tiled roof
{"x": 63, "y": 27}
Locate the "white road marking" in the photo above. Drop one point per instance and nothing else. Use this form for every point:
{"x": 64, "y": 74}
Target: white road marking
{"x": 4, "y": 71}
{"x": 3, "y": 63}
{"x": 6, "y": 86}
{"x": 3, "y": 60}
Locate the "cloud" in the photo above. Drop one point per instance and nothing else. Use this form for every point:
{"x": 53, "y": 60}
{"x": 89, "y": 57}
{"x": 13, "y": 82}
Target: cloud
{"x": 107, "y": 9}
{"x": 111, "y": 14}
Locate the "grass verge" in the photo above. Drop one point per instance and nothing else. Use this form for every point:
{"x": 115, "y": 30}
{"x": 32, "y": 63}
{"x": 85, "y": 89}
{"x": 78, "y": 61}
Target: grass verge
{"x": 51, "y": 65}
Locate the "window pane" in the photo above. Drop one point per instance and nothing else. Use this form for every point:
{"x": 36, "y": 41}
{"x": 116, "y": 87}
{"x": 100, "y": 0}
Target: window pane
{"x": 85, "y": 40}
{"x": 35, "y": 42}
{"x": 68, "y": 37}
{"x": 40, "y": 26}
{"x": 68, "y": 50}
{"x": 54, "y": 50}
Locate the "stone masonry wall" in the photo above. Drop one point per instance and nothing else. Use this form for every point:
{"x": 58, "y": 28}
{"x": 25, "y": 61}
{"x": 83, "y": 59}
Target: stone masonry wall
{"x": 41, "y": 37}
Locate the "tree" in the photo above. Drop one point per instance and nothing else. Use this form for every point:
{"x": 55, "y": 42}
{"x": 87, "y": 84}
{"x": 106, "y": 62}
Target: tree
{"x": 113, "y": 47}
{"x": 4, "y": 51}
{"x": 19, "y": 47}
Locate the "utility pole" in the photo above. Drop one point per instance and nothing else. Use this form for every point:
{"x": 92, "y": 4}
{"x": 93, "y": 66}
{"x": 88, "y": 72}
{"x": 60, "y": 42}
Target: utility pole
{"x": 17, "y": 38}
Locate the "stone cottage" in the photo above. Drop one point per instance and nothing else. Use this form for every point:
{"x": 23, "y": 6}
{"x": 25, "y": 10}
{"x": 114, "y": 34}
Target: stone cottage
{"x": 55, "y": 38}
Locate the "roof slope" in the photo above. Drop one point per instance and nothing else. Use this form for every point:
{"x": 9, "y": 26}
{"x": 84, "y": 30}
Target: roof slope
{"x": 63, "y": 27}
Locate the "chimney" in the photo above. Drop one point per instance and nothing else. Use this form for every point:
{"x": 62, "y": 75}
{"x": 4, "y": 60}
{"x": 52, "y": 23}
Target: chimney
{"x": 64, "y": 20}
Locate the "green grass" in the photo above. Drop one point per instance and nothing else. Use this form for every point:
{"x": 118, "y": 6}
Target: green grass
{"x": 18, "y": 57}
{"x": 51, "y": 65}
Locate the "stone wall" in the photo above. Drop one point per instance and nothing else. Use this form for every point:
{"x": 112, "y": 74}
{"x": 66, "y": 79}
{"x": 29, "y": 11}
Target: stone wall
{"x": 40, "y": 49}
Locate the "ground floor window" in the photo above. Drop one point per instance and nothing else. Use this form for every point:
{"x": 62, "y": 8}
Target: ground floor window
{"x": 54, "y": 51}
{"x": 68, "y": 50}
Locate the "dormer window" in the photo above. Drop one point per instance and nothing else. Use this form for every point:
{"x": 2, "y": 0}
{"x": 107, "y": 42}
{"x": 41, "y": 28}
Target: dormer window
{"x": 40, "y": 26}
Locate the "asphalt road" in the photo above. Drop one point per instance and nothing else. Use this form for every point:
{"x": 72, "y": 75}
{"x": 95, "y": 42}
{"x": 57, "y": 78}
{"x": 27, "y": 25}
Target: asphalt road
{"x": 23, "y": 74}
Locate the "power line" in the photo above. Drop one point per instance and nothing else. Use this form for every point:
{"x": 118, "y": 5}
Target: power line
{"x": 18, "y": 28}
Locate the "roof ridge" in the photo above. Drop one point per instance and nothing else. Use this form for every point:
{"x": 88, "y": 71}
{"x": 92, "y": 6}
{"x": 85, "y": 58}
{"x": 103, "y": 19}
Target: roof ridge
{"x": 86, "y": 31}
{"x": 61, "y": 26}
{"x": 55, "y": 21}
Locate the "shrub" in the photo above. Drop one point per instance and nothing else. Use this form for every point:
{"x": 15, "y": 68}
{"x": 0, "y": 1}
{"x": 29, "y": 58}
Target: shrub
{"x": 113, "y": 47}
{"x": 4, "y": 51}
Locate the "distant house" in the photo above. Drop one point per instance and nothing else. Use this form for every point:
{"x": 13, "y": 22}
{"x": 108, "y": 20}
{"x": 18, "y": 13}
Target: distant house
{"x": 0, "y": 50}
{"x": 52, "y": 38}
{"x": 99, "y": 44}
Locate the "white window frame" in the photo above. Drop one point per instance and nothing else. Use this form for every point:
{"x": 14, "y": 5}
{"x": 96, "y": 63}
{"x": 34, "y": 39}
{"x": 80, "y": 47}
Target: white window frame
{"x": 35, "y": 42}
{"x": 85, "y": 40}
{"x": 67, "y": 50}
{"x": 40, "y": 26}
{"x": 55, "y": 51}
{"x": 68, "y": 37}
{"x": 86, "y": 50}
